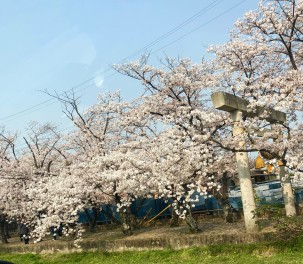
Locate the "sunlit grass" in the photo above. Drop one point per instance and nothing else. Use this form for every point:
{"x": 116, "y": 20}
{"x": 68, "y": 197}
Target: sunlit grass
{"x": 276, "y": 252}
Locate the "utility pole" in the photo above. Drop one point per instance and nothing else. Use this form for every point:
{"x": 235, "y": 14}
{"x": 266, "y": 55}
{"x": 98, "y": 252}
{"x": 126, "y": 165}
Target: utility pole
{"x": 237, "y": 107}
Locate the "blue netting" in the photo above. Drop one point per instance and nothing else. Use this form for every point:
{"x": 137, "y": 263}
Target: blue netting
{"x": 268, "y": 193}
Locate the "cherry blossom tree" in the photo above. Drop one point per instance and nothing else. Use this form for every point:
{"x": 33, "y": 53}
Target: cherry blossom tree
{"x": 98, "y": 132}
{"x": 170, "y": 141}
{"x": 178, "y": 96}
{"x": 9, "y": 183}
{"x": 262, "y": 63}
{"x": 28, "y": 171}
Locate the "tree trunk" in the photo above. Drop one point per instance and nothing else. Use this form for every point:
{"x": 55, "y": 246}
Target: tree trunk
{"x": 110, "y": 216}
{"x": 92, "y": 220}
{"x": 6, "y": 231}
{"x": 191, "y": 222}
{"x": 126, "y": 217}
{"x": 2, "y": 231}
{"x": 126, "y": 220}
{"x": 174, "y": 221}
{"x": 228, "y": 214}
{"x": 223, "y": 200}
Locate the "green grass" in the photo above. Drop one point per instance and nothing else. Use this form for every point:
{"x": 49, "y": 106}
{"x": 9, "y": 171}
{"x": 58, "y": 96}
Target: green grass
{"x": 276, "y": 252}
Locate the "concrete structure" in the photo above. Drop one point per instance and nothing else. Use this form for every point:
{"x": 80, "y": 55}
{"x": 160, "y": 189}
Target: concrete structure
{"x": 246, "y": 188}
{"x": 228, "y": 102}
{"x": 288, "y": 195}
{"x": 238, "y": 109}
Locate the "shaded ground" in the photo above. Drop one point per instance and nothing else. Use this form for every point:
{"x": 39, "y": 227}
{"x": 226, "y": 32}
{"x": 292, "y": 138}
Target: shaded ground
{"x": 214, "y": 231}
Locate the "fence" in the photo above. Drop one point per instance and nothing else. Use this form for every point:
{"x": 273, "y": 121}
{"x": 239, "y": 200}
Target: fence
{"x": 267, "y": 192}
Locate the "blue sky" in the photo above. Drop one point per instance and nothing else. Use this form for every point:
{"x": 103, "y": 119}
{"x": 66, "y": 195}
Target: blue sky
{"x": 60, "y": 44}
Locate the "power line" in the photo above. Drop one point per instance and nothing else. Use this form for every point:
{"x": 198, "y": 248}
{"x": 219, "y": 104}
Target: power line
{"x": 175, "y": 29}
{"x": 74, "y": 88}
{"x": 170, "y": 43}
{"x": 197, "y": 28}
{"x": 34, "y": 109}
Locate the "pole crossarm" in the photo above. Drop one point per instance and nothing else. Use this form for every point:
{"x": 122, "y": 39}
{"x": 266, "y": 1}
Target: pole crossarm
{"x": 262, "y": 132}
{"x": 229, "y": 103}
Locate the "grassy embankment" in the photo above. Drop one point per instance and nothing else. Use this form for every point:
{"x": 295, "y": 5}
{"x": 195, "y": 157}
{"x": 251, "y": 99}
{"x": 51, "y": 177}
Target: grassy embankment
{"x": 276, "y": 252}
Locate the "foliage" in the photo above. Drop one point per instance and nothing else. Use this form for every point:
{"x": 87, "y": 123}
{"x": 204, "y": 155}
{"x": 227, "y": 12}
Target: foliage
{"x": 287, "y": 227}
{"x": 252, "y": 253}
{"x": 169, "y": 142}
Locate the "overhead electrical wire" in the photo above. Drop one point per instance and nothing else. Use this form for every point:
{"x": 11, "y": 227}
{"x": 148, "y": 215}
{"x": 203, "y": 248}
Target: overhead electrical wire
{"x": 75, "y": 88}
{"x": 175, "y": 29}
{"x": 46, "y": 104}
{"x": 197, "y": 28}
{"x": 170, "y": 43}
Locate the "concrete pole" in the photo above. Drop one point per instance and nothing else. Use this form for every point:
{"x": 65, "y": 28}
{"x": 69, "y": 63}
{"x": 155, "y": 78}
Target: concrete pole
{"x": 246, "y": 188}
{"x": 288, "y": 195}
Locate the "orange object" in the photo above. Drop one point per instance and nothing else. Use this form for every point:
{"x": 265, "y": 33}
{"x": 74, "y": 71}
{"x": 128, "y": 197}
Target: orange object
{"x": 269, "y": 168}
{"x": 259, "y": 164}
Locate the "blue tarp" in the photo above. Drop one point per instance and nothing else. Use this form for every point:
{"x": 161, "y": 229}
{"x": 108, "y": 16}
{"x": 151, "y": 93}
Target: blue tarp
{"x": 268, "y": 193}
